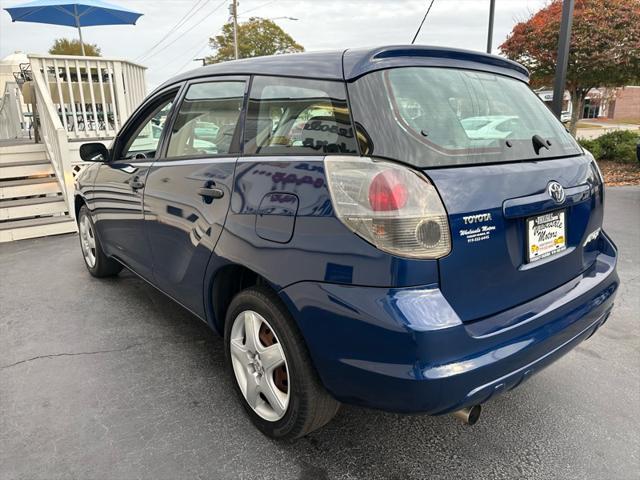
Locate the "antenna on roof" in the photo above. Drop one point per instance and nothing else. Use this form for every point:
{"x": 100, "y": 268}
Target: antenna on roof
{"x": 422, "y": 23}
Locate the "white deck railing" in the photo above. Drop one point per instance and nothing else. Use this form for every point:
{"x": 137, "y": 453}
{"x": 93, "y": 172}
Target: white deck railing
{"x": 76, "y": 99}
{"x": 12, "y": 121}
{"x": 54, "y": 137}
{"x": 91, "y": 96}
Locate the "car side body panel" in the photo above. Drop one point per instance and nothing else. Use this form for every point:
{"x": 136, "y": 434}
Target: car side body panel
{"x": 118, "y": 214}
{"x": 321, "y": 248}
{"x": 182, "y": 226}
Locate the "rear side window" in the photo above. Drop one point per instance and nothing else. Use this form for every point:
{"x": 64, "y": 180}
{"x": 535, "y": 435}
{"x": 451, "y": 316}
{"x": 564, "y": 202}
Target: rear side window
{"x": 207, "y": 119}
{"x": 298, "y": 117}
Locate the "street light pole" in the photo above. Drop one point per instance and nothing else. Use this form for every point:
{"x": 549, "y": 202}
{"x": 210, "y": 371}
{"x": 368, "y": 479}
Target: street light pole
{"x": 492, "y": 11}
{"x": 563, "y": 57}
{"x": 234, "y": 14}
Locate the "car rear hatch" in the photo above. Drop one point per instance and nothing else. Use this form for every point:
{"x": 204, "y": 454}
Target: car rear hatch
{"x": 497, "y": 157}
{"x": 511, "y": 240}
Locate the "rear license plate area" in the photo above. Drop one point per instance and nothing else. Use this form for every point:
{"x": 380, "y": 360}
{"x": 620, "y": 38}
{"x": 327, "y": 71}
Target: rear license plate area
{"x": 546, "y": 235}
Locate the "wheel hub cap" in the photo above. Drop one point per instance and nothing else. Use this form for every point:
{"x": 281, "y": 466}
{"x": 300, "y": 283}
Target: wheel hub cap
{"x": 256, "y": 364}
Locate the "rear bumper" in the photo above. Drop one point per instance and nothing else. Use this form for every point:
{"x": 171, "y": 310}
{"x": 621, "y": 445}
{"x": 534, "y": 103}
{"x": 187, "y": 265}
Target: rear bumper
{"x": 406, "y": 350}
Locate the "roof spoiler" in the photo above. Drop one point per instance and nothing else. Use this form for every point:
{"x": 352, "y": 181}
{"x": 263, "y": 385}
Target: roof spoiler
{"x": 362, "y": 61}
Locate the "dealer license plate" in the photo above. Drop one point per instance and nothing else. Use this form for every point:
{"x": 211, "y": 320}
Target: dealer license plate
{"x": 546, "y": 235}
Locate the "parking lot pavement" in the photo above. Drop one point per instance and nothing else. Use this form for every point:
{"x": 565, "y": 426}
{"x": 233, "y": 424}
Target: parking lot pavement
{"x": 110, "y": 379}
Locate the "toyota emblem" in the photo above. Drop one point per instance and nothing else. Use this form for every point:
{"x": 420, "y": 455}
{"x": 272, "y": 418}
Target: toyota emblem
{"x": 556, "y": 192}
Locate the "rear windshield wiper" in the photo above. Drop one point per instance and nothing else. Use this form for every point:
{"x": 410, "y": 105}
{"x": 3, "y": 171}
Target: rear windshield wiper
{"x": 539, "y": 143}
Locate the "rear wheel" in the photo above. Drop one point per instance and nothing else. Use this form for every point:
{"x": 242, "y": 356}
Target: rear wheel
{"x": 98, "y": 264}
{"x": 271, "y": 369}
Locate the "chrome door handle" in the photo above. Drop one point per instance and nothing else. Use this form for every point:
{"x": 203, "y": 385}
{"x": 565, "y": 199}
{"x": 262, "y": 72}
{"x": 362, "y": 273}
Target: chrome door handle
{"x": 211, "y": 192}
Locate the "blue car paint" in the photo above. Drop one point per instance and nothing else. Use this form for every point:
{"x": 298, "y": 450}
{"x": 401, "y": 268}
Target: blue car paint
{"x": 182, "y": 227}
{"x": 358, "y": 62}
{"x": 500, "y": 259}
{"x": 119, "y": 216}
{"x": 353, "y": 63}
{"x": 385, "y": 332}
{"x": 322, "y": 248}
{"x": 406, "y": 350}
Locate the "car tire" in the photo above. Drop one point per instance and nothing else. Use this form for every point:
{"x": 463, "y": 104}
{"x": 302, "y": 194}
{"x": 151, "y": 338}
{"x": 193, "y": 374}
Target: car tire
{"x": 308, "y": 405}
{"x": 98, "y": 264}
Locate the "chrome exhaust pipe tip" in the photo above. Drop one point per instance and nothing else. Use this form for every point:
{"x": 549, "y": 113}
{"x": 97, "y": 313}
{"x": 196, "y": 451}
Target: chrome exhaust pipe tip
{"x": 468, "y": 415}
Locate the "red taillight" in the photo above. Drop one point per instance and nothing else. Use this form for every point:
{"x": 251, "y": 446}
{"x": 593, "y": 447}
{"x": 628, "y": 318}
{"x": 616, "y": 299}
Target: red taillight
{"x": 393, "y": 207}
{"x": 387, "y": 192}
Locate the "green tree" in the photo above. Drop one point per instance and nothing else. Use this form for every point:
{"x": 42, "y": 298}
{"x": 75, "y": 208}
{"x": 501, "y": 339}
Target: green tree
{"x": 256, "y": 37}
{"x": 64, "y": 46}
{"x": 604, "y": 51}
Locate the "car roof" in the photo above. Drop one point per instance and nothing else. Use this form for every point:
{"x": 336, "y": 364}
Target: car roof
{"x": 351, "y": 64}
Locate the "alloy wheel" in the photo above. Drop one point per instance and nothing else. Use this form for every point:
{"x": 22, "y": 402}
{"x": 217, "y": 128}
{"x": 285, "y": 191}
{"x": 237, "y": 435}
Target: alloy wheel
{"x": 259, "y": 365}
{"x": 87, "y": 241}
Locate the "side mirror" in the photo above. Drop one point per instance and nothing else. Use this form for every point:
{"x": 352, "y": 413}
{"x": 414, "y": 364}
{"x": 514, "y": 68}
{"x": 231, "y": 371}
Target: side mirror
{"x": 94, "y": 152}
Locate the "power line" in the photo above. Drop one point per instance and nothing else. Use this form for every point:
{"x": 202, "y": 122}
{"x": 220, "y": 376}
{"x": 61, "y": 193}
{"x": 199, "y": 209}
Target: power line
{"x": 200, "y": 50}
{"x": 205, "y": 17}
{"x": 256, "y": 8}
{"x": 181, "y": 55}
{"x": 179, "y": 24}
{"x": 422, "y": 23}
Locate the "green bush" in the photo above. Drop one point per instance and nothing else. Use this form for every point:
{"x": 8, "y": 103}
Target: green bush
{"x": 593, "y": 146}
{"x": 619, "y": 145}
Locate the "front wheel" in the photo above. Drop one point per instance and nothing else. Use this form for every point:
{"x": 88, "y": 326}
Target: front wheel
{"x": 98, "y": 264}
{"x": 271, "y": 369}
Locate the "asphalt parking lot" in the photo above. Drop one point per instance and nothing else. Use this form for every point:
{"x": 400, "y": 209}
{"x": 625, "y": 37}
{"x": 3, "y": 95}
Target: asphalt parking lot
{"x": 111, "y": 380}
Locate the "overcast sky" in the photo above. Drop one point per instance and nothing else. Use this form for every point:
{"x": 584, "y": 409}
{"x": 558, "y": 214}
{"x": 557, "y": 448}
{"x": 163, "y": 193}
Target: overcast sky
{"x": 321, "y": 25}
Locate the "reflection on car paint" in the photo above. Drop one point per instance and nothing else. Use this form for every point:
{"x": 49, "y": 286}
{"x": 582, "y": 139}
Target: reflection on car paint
{"x": 256, "y": 179}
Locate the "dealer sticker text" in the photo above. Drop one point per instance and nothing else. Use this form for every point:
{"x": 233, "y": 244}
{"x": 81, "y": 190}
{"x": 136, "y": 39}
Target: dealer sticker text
{"x": 479, "y": 233}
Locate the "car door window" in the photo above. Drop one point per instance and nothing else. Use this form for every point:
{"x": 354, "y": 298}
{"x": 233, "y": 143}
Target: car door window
{"x": 143, "y": 143}
{"x": 207, "y": 120}
{"x": 298, "y": 117}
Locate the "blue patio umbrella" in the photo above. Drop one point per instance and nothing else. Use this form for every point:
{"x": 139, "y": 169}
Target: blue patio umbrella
{"x": 84, "y": 13}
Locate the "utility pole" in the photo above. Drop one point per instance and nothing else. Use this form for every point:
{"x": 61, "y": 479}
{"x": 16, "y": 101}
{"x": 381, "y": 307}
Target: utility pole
{"x": 233, "y": 9}
{"x": 563, "y": 57}
{"x": 492, "y": 12}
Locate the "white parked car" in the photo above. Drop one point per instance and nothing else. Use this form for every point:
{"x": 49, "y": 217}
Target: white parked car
{"x": 490, "y": 127}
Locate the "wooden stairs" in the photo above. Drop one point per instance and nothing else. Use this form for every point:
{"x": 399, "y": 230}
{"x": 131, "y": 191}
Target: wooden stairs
{"x": 31, "y": 201}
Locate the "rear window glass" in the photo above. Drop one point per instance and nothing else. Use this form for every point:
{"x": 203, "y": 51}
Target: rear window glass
{"x": 297, "y": 117}
{"x": 429, "y": 116}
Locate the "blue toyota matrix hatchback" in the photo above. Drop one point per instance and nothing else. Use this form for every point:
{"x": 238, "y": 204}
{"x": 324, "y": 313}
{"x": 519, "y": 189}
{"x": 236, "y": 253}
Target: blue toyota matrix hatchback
{"x": 405, "y": 228}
